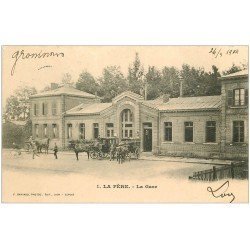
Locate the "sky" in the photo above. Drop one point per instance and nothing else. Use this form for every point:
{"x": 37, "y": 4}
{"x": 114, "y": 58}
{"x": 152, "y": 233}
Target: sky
{"x": 39, "y": 72}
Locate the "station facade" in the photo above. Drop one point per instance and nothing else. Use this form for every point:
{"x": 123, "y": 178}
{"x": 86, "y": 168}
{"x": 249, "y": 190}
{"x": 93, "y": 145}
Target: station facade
{"x": 206, "y": 126}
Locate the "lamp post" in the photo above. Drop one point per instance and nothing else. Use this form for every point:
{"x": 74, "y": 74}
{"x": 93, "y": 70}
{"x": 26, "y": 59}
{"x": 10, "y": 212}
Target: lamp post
{"x": 181, "y": 86}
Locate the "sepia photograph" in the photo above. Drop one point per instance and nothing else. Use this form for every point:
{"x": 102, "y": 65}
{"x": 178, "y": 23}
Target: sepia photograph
{"x": 125, "y": 124}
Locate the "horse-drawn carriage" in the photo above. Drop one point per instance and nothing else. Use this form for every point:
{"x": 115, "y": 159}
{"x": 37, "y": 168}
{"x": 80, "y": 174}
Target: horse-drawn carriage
{"x": 109, "y": 147}
{"x": 133, "y": 147}
{"x": 96, "y": 149}
{"x": 103, "y": 147}
{"x": 40, "y": 144}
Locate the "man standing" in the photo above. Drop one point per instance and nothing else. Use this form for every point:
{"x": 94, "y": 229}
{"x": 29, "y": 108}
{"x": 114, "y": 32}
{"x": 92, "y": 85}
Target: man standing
{"x": 55, "y": 151}
{"x": 34, "y": 149}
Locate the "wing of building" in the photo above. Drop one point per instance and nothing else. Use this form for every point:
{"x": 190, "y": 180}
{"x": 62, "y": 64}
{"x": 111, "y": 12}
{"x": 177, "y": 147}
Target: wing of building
{"x": 205, "y": 126}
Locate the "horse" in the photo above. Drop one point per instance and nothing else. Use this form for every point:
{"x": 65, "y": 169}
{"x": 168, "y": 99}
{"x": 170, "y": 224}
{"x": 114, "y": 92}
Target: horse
{"x": 121, "y": 153}
{"x": 112, "y": 152}
{"x": 42, "y": 143}
{"x": 80, "y": 147}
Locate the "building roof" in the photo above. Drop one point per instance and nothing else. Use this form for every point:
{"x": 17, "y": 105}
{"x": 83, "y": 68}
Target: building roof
{"x": 191, "y": 103}
{"x": 236, "y": 74}
{"x": 88, "y": 109}
{"x": 128, "y": 93}
{"x": 173, "y": 105}
{"x": 153, "y": 103}
{"x": 67, "y": 90}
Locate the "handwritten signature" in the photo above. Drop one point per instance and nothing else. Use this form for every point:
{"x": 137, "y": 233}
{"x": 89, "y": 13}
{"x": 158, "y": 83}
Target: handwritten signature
{"x": 22, "y": 55}
{"x": 221, "y": 192}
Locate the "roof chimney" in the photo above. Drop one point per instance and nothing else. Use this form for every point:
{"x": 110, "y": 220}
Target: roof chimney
{"x": 54, "y": 85}
{"x": 165, "y": 98}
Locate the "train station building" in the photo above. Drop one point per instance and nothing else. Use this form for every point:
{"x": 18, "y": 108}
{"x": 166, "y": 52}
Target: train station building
{"x": 205, "y": 126}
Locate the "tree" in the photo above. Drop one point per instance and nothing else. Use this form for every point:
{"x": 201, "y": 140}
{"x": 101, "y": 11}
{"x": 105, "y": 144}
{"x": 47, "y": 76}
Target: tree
{"x": 135, "y": 76}
{"x": 66, "y": 79}
{"x": 170, "y": 82}
{"x": 213, "y": 85}
{"x": 111, "y": 83}
{"x": 192, "y": 85}
{"x": 153, "y": 82}
{"x": 198, "y": 82}
{"x": 17, "y": 105}
{"x": 233, "y": 69}
{"x": 87, "y": 83}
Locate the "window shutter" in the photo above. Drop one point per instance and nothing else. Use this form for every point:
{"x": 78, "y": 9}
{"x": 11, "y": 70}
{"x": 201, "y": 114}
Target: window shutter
{"x": 246, "y": 96}
{"x": 230, "y": 98}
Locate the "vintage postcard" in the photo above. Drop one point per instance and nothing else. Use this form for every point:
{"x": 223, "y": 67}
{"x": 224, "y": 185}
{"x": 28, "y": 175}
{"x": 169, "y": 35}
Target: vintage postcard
{"x": 125, "y": 124}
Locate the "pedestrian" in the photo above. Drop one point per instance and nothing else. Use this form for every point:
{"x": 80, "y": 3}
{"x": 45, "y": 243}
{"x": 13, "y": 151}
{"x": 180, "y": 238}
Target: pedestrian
{"x": 55, "y": 151}
{"x": 34, "y": 149}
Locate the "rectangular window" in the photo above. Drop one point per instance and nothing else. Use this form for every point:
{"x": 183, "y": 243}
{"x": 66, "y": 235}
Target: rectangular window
{"x": 44, "y": 108}
{"x": 69, "y": 131}
{"x": 110, "y": 129}
{"x": 36, "y": 130}
{"x": 210, "y": 131}
{"x": 239, "y": 97}
{"x": 45, "y": 130}
{"x": 96, "y": 130}
{"x": 188, "y": 131}
{"x": 168, "y": 131}
{"x": 35, "y": 109}
{"x": 82, "y": 131}
{"x": 54, "y": 108}
{"x": 130, "y": 133}
{"x": 126, "y": 133}
{"x": 108, "y": 133}
{"x": 54, "y": 130}
{"x": 238, "y": 131}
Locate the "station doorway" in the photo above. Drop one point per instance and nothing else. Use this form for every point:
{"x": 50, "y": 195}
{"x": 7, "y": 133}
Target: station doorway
{"x": 147, "y": 137}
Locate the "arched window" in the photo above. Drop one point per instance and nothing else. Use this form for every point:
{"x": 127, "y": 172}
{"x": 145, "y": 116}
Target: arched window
{"x": 127, "y": 123}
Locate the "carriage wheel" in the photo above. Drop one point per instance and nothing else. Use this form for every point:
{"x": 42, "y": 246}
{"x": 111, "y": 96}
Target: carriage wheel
{"x": 100, "y": 155}
{"x": 106, "y": 155}
{"x": 93, "y": 155}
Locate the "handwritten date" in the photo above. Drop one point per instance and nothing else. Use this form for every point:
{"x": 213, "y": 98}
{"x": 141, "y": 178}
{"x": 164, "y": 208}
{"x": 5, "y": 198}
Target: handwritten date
{"x": 219, "y": 52}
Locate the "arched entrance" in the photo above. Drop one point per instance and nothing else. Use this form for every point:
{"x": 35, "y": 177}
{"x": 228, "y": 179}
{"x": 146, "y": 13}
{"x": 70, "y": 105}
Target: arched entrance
{"x": 127, "y": 124}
